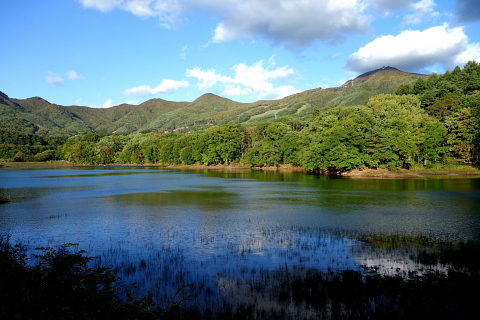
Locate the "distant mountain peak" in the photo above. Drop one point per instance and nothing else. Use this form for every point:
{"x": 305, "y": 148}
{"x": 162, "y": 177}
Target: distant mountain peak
{"x": 372, "y": 72}
{"x": 384, "y": 73}
{"x": 3, "y": 95}
{"x": 207, "y": 97}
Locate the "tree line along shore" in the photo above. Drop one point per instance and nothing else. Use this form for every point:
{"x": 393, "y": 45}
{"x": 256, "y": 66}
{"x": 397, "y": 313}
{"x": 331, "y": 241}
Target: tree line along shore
{"x": 434, "y": 123}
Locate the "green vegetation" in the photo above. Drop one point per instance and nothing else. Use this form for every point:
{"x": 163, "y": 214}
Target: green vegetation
{"x": 20, "y": 146}
{"x": 428, "y": 122}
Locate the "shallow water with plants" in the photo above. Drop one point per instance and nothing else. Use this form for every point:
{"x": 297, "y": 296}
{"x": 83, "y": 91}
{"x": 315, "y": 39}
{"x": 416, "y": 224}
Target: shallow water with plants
{"x": 253, "y": 243}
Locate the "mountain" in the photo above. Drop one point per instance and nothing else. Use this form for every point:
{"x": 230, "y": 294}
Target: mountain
{"x": 36, "y": 115}
{"x": 383, "y": 74}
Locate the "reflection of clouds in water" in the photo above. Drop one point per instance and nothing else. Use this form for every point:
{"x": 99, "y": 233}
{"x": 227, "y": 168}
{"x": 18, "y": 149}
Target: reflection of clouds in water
{"x": 279, "y": 247}
{"x": 393, "y": 262}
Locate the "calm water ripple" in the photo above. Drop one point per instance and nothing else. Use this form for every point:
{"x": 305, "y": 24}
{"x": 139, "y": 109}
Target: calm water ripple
{"x": 226, "y": 224}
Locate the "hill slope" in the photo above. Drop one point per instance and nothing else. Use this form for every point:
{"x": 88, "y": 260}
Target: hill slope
{"x": 36, "y": 115}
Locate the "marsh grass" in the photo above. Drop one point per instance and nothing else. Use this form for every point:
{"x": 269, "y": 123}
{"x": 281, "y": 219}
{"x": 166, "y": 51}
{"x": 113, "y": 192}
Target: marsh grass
{"x": 299, "y": 273}
{"x": 309, "y": 273}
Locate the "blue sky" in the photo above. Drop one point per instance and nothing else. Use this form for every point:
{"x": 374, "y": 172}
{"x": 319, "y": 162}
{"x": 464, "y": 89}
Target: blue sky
{"x": 101, "y": 53}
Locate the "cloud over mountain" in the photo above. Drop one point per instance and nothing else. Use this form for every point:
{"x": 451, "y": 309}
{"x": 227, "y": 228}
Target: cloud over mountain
{"x": 256, "y": 79}
{"x": 415, "y": 51}
{"x": 166, "y": 86}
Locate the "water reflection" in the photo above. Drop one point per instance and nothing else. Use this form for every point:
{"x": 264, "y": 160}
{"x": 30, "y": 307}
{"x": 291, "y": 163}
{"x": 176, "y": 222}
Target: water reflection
{"x": 436, "y": 207}
{"x": 205, "y": 200}
{"x": 210, "y": 229}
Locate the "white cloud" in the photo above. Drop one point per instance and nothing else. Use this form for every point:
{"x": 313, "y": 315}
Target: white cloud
{"x": 415, "y": 51}
{"x": 140, "y": 8}
{"x": 170, "y": 11}
{"x": 73, "y": 75}
{"x": 206, "y": 79}
{"x": 471, "y": 53}
{"x": 102, "y": 5}
{"x": 108, "y": 103}
{"x": 423, "y": 5}
{"x": 248, "y": 80}
{"x": 293, "y": 24}
{"x": 54, "y": 78}
{"x": 421, "y": 10}
{"x": 166, "y": 86}
{"x": 167, "y": 10}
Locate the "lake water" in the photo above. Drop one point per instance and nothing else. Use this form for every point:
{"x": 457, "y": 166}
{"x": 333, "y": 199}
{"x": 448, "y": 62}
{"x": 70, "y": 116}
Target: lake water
{"x": 204, "y": 228}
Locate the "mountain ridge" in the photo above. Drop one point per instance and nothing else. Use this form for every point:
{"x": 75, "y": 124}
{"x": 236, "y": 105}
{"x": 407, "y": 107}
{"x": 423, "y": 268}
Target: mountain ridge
{"x": 158, "y": 115}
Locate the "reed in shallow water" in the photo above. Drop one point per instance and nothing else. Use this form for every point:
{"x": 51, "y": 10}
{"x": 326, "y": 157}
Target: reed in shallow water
{"x": 394, "y": 276}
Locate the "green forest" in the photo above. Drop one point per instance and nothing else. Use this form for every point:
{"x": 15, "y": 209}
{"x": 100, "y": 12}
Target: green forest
{"x": 434, "y": 121}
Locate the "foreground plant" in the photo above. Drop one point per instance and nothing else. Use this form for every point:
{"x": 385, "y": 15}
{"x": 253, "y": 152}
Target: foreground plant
{"x": 61, "y": 284}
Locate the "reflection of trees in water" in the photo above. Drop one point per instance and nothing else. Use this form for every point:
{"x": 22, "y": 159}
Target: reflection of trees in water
{"x": 204, "y": 199}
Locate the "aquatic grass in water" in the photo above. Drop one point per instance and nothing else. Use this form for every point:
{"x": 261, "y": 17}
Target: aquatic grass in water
{"x": 246, "y": 258}
{"x": 303, "y": 273}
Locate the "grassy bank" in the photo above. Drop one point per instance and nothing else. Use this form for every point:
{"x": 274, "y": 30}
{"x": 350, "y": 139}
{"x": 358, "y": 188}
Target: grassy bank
{"x": 48, "y": 164}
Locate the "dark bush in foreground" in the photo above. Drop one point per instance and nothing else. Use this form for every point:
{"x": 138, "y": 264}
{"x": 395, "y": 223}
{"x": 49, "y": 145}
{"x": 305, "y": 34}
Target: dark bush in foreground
{"x": 60, "y": 284}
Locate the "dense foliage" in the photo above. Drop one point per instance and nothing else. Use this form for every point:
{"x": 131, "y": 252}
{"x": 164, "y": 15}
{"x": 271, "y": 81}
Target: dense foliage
{"x": 433, "y": 121}
{"x": 21, "y": 146}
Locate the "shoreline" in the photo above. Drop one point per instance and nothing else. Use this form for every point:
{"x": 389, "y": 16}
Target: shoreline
{"x": 365, "y": 173}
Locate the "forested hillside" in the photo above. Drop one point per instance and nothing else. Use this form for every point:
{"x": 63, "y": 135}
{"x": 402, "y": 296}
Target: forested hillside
{"x": 430, "y": 121}
{"x": 36, "y": 115}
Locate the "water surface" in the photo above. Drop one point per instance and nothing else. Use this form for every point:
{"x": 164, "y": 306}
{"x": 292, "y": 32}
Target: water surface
{"x": 184, "y": 226}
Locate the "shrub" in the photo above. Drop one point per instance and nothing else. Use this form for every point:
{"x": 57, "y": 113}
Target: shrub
{"x": 61, "y": 284}
{"x": 45, "y": 156}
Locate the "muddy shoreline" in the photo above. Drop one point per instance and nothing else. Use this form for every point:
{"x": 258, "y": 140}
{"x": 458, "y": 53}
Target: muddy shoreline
{"x": 412, "y": 173}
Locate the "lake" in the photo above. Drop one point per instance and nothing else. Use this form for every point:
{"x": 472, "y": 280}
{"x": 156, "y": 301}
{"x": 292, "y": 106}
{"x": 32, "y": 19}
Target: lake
{"x": 204, "y": 228}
